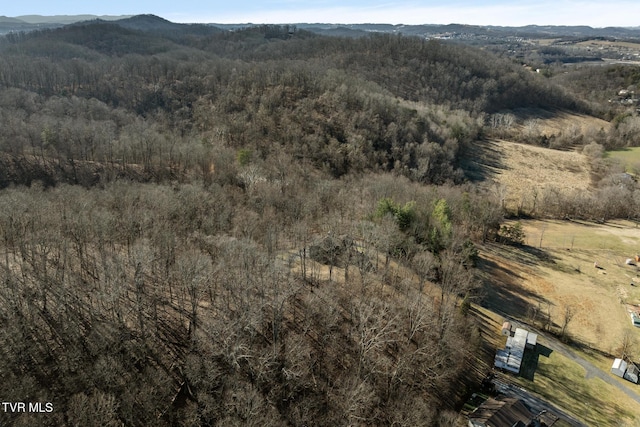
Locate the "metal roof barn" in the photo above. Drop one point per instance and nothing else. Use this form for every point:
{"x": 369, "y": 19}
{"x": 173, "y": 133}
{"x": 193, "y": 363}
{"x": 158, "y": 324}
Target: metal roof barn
{"x": 511, "y": 357}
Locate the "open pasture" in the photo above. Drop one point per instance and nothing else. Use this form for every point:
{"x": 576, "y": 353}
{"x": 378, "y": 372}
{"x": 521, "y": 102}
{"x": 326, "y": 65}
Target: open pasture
{"x": 630, "y": 157}
{"x": 574, "y": 269}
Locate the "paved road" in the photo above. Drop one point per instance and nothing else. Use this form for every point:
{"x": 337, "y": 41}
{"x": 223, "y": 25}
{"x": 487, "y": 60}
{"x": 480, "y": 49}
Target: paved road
{"x": 590, "y": 369}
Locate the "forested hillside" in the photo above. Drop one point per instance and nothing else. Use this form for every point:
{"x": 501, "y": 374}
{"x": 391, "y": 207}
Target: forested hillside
{"x": 259, "y": 227}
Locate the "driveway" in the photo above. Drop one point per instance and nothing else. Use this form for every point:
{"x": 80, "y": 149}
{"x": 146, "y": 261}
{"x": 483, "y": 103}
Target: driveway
{"x": 591, "y": 371}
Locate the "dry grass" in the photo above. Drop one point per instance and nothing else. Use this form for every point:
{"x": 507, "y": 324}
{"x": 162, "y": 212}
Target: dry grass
{"x": 561, "y": 122}
{"x": 556, "y": 270}
{"x": 610, "y": 43}
{"x": 523, "y": 172}
{"x": 562, "y": 382}
{"x": 565, "y": 276}
{"x": 618, "y": 236}
{"x": 545, "y": 42}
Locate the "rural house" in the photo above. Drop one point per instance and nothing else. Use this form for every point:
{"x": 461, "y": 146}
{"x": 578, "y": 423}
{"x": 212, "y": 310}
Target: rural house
{"x": 511, "y": 357}
{"x": 506, "y": 412}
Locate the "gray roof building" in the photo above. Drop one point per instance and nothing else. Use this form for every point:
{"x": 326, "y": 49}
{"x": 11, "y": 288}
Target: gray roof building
{"x": 511, "y": 357}
{"x": 506, "y": 412}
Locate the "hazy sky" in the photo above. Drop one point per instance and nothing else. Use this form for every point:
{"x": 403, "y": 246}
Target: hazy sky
{"x": 601, "y": 13}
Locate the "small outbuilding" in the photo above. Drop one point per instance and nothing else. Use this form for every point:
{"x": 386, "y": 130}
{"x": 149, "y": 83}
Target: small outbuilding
{"x": 632, "y": 374}
{"x": 532, "y": 340}
{"x": 628, "y": 371}
{"x": 619, "y": 367}
{"x": 635, "y": 318}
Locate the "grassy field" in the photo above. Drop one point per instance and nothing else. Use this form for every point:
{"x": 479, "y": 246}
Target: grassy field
{"x": 520, "y": 173}
{"x": 610, "y": 43}
{"x": 630, "y": 157}
{"x": 552, "y": 281}
{"x": 554, "y": 274}
{"x": 564, "y": 383}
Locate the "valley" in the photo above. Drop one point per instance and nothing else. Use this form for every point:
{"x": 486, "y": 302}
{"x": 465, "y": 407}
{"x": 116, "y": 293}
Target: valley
{"x": 267, "y": 225}
{"x": 551, "y": 284}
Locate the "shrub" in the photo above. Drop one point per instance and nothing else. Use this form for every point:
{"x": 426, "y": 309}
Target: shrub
{"x": 512, "y": 234}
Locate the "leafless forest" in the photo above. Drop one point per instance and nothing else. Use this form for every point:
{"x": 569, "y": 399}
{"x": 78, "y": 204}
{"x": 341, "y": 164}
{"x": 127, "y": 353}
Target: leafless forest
{"x": 260, "y": 227}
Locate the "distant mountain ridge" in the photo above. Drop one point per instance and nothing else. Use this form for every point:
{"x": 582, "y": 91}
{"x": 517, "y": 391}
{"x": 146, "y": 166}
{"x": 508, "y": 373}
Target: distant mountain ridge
{"x": 40, "y": 22}
{"x": 153, "y": 23}
{"x": 67, "y": 19}
{"x": 145, "y": 23}
{"x": 6, "y": 19}
{"x": 150, "y": 22}
{"x": 477, "y": 30}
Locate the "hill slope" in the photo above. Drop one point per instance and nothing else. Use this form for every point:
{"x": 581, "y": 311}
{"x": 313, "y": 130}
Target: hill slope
{"x": 243, "y": 227}
{"x": 524, "y": 175}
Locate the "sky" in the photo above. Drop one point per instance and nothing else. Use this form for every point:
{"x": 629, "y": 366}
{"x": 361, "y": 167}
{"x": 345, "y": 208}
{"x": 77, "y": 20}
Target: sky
{"x": 601, "y": 13}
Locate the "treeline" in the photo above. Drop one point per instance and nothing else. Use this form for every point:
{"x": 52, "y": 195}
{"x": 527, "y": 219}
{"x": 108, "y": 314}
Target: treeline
{"x": 614, "y": 193}
{"x": 599, "y": 84}
{"x": 384, "y": 103}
